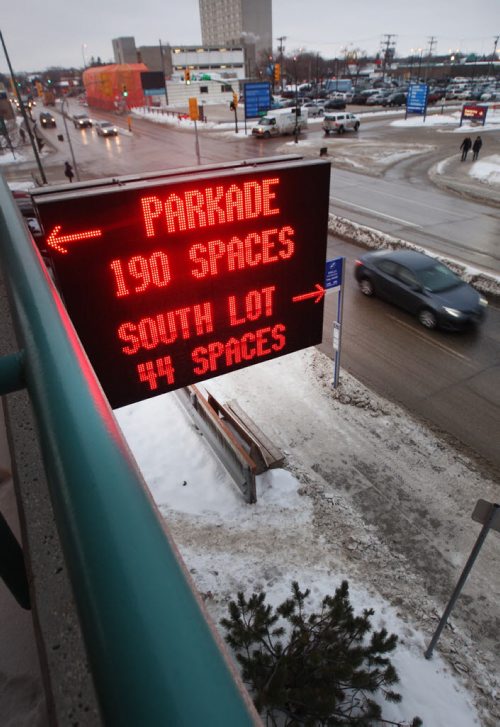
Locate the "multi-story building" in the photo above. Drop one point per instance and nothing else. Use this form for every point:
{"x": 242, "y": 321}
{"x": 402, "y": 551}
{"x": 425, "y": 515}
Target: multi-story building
{"x": 124, "y": 50}
{"x": 225, "y": 63}
{"x": 236, "y": 22}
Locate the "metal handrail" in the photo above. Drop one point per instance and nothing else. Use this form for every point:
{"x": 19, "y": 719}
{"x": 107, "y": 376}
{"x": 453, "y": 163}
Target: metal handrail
{"x": 154, "y": 656}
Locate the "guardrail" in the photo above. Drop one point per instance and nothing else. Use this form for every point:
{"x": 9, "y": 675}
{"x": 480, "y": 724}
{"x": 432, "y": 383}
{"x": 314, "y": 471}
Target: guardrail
{"x": 153, "y": 654}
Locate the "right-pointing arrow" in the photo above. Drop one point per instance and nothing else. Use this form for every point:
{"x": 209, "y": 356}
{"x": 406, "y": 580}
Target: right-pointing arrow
{"x": 318, "y": 294}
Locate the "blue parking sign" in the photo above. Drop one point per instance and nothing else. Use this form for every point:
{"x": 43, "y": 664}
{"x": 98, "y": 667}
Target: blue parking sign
{"x": 333, "y": 272}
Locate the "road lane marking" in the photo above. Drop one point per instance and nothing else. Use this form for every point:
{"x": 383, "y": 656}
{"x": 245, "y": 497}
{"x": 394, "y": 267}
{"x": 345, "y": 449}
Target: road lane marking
{"x": 437, "y": 344}
{"x": 376, "y": 213}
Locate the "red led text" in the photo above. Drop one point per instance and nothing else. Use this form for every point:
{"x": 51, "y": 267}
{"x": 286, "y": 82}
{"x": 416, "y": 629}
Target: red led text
{"x": 140, "y": 273}
{"x": 150, "y": 371}
{"x": 165, "y": 328}
{"x": 256, "y": 248}
{"x": 251, "y": 345}
{"x": 257, "y": 303}
{"x": 199, "y": 208}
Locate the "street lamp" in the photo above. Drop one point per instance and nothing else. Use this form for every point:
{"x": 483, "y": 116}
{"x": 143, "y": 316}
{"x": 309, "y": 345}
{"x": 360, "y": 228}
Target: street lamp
{"x": 421, "y": 51}
{"x": 412, "y": 51}
{"x": 296, "y": 130}
{"x": 65, "y": 103}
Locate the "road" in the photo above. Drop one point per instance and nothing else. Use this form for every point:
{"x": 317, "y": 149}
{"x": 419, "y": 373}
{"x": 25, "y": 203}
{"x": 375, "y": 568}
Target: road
{"x": 449, "y": 225}
{"x": 451, "y": 380}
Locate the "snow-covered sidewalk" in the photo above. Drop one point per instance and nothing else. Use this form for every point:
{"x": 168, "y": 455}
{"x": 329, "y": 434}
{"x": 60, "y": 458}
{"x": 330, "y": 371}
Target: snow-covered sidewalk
{"x": 368, "y": 494}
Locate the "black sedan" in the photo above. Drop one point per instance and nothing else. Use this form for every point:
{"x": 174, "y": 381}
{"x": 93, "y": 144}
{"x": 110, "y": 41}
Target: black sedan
{"x": 422, "y": 286}
{"x": 335, "y": 103}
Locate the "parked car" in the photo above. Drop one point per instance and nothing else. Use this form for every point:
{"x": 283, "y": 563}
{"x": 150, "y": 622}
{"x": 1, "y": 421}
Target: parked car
{"x": 360, "y": 97}
{"x": 435, "y": 95}
{"x": 82, "y": 121}
{"x": 398, "y": 98}
{"x": 106, "y": 128}
{"x": 490, "y": 96}
{"x": 335, "y": 103}
{"x": 377, "y": 99}
{"x": 340, "y": 123}
{"x": 47, "y": 120}
{"x": 25, "y": 204}
{"x": 421, "y": 285}
{"x": 314, "y": 109}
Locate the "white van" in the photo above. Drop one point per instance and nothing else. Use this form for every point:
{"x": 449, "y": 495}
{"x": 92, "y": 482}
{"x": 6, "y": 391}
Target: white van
{"x": 280, "y": 122}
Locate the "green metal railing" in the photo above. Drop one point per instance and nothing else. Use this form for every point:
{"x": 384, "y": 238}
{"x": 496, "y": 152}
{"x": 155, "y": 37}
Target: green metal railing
{"x": 154, "y": 657}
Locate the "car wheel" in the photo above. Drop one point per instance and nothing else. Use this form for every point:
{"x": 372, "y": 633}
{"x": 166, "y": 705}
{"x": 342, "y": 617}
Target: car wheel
{"x": 366, "y": 287}
{"x": 327, "y": 132}
{"x": 356, "y": 126}
{"x": 427, "y": 318}
{"x": 341, "y": 130}
{"x": 266, "y": 135}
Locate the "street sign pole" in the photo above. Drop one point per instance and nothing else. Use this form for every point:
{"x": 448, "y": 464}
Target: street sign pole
{"x": 197, "y": 143}
{"x": 487, "y": 513}
{"x": 340, "y": 313}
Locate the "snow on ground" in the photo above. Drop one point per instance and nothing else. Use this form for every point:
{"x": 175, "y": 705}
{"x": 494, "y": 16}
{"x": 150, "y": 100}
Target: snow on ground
{"x": 8, "y": 158}
{"x": 487, "y": 170}
{"x": 359, "y": 499}
{"x": 416, "y": 120}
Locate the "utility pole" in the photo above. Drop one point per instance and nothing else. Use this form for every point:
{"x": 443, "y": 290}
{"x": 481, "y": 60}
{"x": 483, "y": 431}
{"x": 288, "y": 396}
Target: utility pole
{"x": 388, "y": 47}
{"x": 432, "y": 43}
{"x": 24, "y": 114}
{"x": 162, "y": 58}
{"x": 494, "y": 54}
{"x": 281, "y": 49}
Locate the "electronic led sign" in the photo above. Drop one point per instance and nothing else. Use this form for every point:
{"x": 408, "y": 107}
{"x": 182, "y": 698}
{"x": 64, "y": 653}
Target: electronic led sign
{"x": 169, "y": 282}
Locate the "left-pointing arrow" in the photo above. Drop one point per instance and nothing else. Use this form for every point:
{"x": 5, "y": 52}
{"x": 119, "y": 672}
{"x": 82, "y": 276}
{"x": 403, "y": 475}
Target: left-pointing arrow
{"x": 56, "y": 240}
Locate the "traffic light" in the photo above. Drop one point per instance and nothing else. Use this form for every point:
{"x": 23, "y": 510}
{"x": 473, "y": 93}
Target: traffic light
{"x": 124, "y": 91}
{"x": 187, "y": 76}
{"x": 232, "y": 106}
{"x": 235, "y": 99}
{"x": 277, "y": 72}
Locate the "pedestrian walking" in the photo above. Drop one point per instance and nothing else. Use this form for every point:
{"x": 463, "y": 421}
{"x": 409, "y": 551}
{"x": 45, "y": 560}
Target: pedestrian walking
{"x": 476, "y": 148}
{"x": 465, "y": 147}
{"x": 22, "y": 134}
{"x": 68, "y": 171}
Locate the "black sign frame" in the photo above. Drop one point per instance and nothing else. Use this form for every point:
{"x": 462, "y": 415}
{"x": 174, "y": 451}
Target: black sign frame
{"x": 176, "y": 279}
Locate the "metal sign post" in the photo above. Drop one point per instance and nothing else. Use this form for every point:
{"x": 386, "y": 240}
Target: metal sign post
{"x": 488, "y": 514}
{"x": 334, "y": 277}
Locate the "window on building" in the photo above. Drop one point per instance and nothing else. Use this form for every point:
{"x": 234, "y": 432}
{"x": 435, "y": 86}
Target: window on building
{"x": 203, "y": 89}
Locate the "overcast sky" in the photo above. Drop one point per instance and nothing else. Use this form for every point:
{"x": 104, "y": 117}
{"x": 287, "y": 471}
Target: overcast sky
{"x": 60, "y": 32}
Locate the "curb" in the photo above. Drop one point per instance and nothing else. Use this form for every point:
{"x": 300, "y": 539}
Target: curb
{"x": 374, "y": 240}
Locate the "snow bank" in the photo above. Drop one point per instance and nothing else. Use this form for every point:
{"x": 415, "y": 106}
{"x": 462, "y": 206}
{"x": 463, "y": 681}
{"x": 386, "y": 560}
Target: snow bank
{"x": 374, "y": 239}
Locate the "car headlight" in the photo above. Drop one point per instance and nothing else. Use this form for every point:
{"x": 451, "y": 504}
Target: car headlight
{"x": 483, "y": 301}
{"x": 453, "y": 312}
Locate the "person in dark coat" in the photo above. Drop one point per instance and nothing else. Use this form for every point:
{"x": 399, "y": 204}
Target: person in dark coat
{"x": 68, "y": 171}
{"x": 465, "y": 147}
{"x": 476, "y": 148}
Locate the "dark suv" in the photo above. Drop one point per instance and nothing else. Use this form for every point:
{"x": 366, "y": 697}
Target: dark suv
{"x": 47, "y": 120}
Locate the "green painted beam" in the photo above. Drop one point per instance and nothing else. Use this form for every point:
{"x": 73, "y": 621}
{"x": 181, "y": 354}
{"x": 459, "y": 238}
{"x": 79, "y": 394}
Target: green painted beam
{"x": 12, "y": 373}
{"x": 153, "y": 655}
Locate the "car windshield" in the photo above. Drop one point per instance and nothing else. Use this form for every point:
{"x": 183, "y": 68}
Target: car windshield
{"x": 437, "y": 278}
{"x": 267, "y": 122}
{"x": 80, "y": 116}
